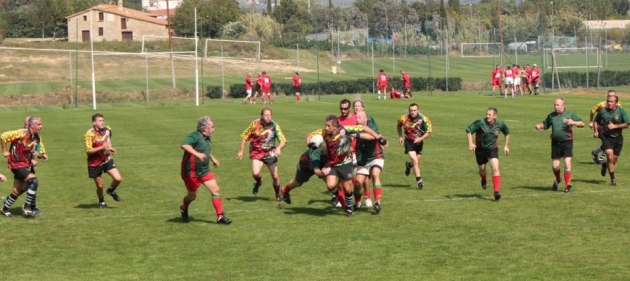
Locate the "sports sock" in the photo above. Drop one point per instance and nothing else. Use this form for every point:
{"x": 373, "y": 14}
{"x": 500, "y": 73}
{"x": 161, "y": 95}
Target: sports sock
{"x": 367, "y": 195}
{"x": 597, "y": 150}
{"x": 557, "y": 174}
{"x": 496, "y": 183}
{"x": 348, "y": 200}
{"x": 418, "y": 179}
{"x": 276, "y": 188}
{"x": 484, "y": 177}
{"x": 218, "y": 204}
{"x": 185, "y": 203}
{"x": 612, "y": 175}
{"x": 258, "y": 180}
{"x": 377, "y": 192}
{"x": 567, "y": 178}
{"x": 10, "y": 200}
{"x": 286, "y": 189}
{"x": 357, "y": 197}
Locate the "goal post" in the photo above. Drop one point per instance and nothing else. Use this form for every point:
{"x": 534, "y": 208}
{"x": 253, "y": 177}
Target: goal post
{"x": 583, "y": 57}
{"x": 234, "y": 48}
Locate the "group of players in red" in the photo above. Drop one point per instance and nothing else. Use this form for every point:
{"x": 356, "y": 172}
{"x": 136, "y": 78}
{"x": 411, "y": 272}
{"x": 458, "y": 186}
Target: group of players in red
{"x": 263, "y": 87}
{"x": 382, "y": 80}
{"x": 516, "y": 79}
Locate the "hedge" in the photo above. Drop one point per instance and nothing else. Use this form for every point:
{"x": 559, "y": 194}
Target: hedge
{"x": 573, "y": 79}
{"x": 363, "y": 85}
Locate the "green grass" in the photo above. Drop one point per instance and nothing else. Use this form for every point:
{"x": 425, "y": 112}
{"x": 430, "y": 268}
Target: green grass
{"x": 452, "y": 229}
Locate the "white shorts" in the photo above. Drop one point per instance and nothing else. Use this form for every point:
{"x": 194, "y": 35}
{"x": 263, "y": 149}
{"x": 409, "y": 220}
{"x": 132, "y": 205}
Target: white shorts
{"x": 517, "y": 81}
{"x": 365, "y": 170}
{"x": 508, "y": 81}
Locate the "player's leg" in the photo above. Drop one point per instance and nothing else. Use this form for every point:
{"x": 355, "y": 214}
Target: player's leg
{"x": 379, "y": 92}
{"x": 375, "y": 173}
{"x": 31, "y": 194}
{"x": 256, "y": 168}
{"x": 567, "y": 174}
{"x": 98, "y": 181}
{"x": 213, "y": 187}
{"x": 273, "y": 171}
{"x": 349, "y": 196}
{"x": 496, "y": 177}
{"x": 249, "y": 95}
{"x": 555, "y": 167}
{"x": 483, "y": 175}
{"x": 116, "y": 180}
{"x": 286, "y": 190}
{"x": 416, "y": 156}
{"x": 192, "y": 184}
{"x": 358, "y": 186}
{"x": 13, "y": 196}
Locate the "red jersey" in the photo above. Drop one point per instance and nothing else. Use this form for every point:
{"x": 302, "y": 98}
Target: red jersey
{"x": 382, "y": 79}
{"x": 22, "y": 144}
{"x": 248, "y": 83}
{"x": 94, "y": 139}
{"x": 509, "y": 73}
{"x": 406, "y": 80}
{"x": 259, "y": 80}
{"x": 297, "y": 81}
{"x": 515, "y": 71}
{"x": 535, "y": 73}
{"x": 262, "y": 139}
{"x": 339, "y": 145}
{"x": 266, "y": 84}
{"x": 496, "y": 73}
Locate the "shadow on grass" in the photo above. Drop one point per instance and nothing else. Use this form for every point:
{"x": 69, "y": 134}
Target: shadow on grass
{"x": 313, "y": 201}
{"x": 91, "y": 206}
{"x": 539, "y": 188}
{"x": 592, "y": 181}
{"x": 311, "y": 211}
{"x": 476, "y": 195}
{"x": 397, "y": 185}
{"x": 192, "y": 220}
{"x": 589, "y": 163}
{"x": 251, "y": 198}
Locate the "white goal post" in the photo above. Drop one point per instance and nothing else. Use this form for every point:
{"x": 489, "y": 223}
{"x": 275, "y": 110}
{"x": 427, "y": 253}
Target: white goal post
{"x": 255, "y": 43}
{"x": 476, "y": 50}
{"x": 584, "y": 57}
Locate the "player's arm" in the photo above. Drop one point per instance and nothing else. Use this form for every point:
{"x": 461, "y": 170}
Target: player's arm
{"x": 576, "y": 121}
{"x": 245, "y": 136}
{"x": 282, "y": 139}
{"x": 624, "y": 119}
{"x": 215, "y": 161}
{"x": 89, "y": 149}
{"x": 469, "y": 131}
{"x": 399, "y": 125}
{"x": 428, "y": 130}
{"x": 596, "y": 120}
{"x": 188, "y": 148}
{"x": 507, "y": 140}
{"x": 544, "y": 124}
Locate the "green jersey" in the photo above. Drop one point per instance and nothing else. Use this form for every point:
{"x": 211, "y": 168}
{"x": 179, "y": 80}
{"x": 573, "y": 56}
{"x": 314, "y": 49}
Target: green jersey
{"x": 486, "y": 134}
{"x": 368, "y": 150}
{"x": 559, "y": 130}
{"x": 311, "y": 159}
{"x": 616, "y": 116}
{"x": 192, "y": 166}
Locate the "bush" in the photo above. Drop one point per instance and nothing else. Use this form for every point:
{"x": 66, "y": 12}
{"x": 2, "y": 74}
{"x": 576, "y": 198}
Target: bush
{"x": 574, "y": 79}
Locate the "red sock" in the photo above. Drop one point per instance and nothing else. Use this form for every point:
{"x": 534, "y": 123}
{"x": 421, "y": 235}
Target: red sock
{"x": 496, "y": 183}
{"x": 218, "y": 205}
{"x": 276, "y": 188}
{"x": 567, "y": 178}
{"x": 357, "y": 198}
{"x": 286, "y": 189}
{"x": 367, "y": 195}
{"x": 377, "y": 194}
{"x": 185, "y": 204}
{"x": 484, "y": 177}
{"x": 557, "y": 174}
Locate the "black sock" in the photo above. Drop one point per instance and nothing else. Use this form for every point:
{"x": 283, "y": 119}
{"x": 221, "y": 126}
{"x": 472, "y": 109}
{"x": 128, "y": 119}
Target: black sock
{"x": 612, "y": 175}
{"x": 418, "y": 178}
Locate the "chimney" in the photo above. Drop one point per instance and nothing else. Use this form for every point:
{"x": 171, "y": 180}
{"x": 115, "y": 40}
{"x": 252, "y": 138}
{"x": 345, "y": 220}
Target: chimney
{"x": 120, "y": 5}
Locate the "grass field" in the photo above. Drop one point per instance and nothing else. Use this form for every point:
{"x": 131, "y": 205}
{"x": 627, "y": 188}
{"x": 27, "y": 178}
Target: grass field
{"x": 452, "y": 229}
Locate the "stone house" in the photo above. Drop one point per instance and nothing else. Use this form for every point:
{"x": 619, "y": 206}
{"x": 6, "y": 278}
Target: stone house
{"x": 114, "y": 23}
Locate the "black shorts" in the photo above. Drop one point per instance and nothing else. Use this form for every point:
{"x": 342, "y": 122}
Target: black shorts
{"x": 561, "y": 149}
{"x": 616, "y": 144}
{"x": 484, "y": 155}
{"x": 302, "y": 177}
{"x": 410, "y": 146}
{"x": 256, "y": 88}
{"x": 297, "y": 89}
{"x": 21, "y": 173}
{"x": 95, "y": 172}
{"x": 270, "y": 160}
{"x": 343, "y": 172}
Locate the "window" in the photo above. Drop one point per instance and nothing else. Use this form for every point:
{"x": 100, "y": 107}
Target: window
{"x": 123, "y": 23}
{"x": 100, "y": 31}
{"x": 84, "y": 18}
{"x": 101, "y": 17}
{"x": 127, "y": 36}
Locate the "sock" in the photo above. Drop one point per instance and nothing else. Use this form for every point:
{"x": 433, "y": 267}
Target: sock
{"x": 10, "y": 200}
{"x": 258, "y": 180}
{"x": 557, "y": 174}
{"x": 276, "y": 188}
{"x": 612, "y": 175}
{"x": 185, "y": 203}
{"x": 348, "y": 200}
{"x": 101, "y": 199}
{"x": 30, "y": 196}
{"x": 418, "y": 179}
{"x": 496, "y": 183}
{"x": 218, "y": 204}
{"x": 597, "y": 150}
{"x": 484, "y": 177}
{"x": 367, "y": 195}
{"x": 357, "y": 197}
{"x": 567, "y": 178}
{"x": 286, "y": 189}
{"x": 377, "y": 192}
{"x": 341, "y": 197}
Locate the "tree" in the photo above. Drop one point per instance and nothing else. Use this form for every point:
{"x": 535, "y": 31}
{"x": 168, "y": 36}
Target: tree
{"x": 454, "y": 6}
{"x": 40, "y": 15}
{"x": 621, "y": 7}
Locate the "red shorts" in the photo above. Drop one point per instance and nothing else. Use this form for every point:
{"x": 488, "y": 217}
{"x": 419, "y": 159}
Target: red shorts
{"x": 266, "y": 89}
{"x": 382, "y": 86}
{"x": 496, "y": 82}
{"x": 193, "y": 183}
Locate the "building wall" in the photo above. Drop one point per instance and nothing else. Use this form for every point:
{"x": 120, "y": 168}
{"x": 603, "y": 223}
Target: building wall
{"x": 111, "y": 26}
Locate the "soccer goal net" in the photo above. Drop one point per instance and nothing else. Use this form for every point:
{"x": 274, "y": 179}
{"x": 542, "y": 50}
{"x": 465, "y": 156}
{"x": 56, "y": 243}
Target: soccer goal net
{"x": 584, "y": 57}
{"x": 469, "y": 50}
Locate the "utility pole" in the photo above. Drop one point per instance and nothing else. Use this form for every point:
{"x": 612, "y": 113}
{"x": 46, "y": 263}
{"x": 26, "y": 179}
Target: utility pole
{"x": 170, "y": 43}
{"x": 500, "y": 29}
